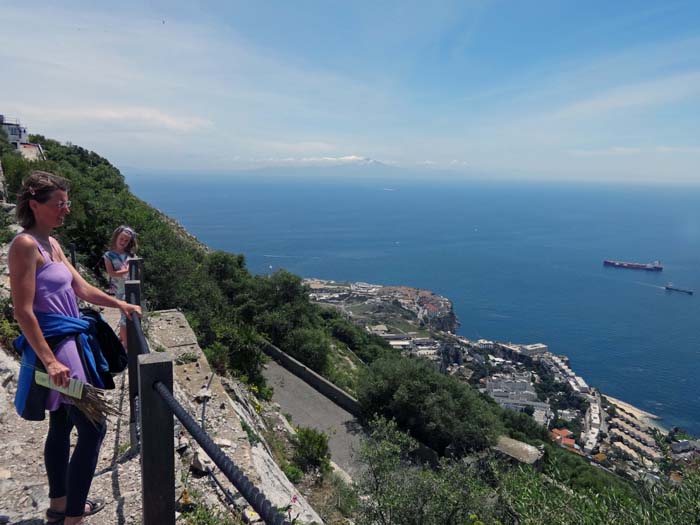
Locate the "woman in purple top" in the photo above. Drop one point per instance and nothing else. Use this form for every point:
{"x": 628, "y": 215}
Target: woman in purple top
{"x": 43, "y": 281}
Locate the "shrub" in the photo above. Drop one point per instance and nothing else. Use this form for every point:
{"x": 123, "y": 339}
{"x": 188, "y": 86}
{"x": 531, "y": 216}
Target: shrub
{"x": 311, "y": 450}
{"x": 293, "y": 473}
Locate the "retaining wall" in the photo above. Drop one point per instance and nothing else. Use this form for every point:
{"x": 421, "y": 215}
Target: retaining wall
{"x": 339, "y": 396}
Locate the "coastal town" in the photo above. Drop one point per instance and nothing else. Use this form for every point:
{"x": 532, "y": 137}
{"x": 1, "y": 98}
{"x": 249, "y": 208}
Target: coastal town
{"x": 529, "y": 378}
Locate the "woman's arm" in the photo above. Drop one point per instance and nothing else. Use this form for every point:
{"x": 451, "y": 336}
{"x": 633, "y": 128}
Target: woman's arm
{"x": 23, "y": 262}
{"x": 91, "y": 294}
{"x": 115, "y": 273}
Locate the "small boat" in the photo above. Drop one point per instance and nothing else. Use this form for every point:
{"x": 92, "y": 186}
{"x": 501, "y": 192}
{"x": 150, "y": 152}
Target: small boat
{"x": 672, "y": 288}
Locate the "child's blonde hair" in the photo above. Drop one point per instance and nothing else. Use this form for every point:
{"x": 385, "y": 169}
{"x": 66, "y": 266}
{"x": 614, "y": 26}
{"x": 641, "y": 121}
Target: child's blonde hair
{"x": 132, "y": 246}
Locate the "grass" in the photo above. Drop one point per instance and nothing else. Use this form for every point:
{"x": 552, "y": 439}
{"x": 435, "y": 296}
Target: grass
{"x": 187, "y": 357}
{"x": 253, "y": 438}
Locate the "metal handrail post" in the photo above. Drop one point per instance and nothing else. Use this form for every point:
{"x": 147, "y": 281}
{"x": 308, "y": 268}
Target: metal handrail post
{"x": 133, "y": 296}
{"x": 135, "y": 268}
{"x": 157, "y": 447}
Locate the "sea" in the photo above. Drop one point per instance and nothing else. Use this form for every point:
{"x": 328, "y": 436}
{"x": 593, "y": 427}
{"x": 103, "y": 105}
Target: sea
{"x": 521, "y": 262}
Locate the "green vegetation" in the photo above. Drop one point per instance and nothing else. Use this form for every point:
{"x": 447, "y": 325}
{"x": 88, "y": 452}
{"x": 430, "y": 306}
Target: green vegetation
{"x": 311, "y": 450}
{"x": 397, "y": 489}
{"x": 253, "y": 438}
{"x": 439, "y": 411}
{"x": 9, "y": 329}
{"x": 6, "y": 233}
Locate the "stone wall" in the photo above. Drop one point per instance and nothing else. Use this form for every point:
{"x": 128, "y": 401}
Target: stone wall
{"x": 325, "y": 387}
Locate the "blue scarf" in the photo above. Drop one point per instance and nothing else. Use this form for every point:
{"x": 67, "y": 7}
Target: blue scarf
{"x": 30, "y": 398}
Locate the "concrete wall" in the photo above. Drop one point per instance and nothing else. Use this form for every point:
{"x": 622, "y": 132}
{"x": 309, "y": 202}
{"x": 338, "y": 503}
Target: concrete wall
{"x": 325, "y": 387}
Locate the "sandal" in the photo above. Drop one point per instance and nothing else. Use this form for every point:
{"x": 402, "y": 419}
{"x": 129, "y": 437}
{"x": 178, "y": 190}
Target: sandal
{"x": 56, "y": 517}
{"x": 96, "y": 505}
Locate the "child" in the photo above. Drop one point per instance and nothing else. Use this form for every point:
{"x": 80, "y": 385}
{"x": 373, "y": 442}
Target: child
{"x": 122, "y": 245}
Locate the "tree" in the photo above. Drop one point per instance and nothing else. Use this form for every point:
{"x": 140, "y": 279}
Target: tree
{"x": 394, "y": 489}
{"x": 438, "y": 410}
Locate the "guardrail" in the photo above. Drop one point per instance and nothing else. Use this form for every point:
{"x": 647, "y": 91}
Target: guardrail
{"x": 151, "y": 410}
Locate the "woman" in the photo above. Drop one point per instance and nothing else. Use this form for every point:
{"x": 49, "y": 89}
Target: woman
{"x": 44, "y": 284}
{"x": 122, "y": 245}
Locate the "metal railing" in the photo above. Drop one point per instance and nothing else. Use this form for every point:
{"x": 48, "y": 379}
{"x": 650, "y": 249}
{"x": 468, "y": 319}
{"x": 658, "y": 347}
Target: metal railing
{"x": 152, "y": 407}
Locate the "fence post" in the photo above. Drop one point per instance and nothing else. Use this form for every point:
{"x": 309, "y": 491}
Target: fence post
{"x": 157, "y": 448}
{"x": 135, "y": 268}
{"x": 133, "y": 296}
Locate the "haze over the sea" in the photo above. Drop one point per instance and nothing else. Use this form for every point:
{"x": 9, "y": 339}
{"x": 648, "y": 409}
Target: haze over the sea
{"x": 521, "y": 262}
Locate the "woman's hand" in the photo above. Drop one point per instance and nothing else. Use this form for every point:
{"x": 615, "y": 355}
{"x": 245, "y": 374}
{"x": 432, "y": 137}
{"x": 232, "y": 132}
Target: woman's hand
{"x": 128, "y": 309}
{"x": 59, "y": 373}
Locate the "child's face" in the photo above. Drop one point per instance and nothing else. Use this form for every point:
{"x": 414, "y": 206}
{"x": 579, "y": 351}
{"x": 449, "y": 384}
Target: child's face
{"x": 123, "y": 240}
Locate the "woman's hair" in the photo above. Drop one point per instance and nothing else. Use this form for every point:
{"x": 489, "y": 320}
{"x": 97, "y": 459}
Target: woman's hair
{"x": 132, "y": 246}
{"x": 38, "y": 186}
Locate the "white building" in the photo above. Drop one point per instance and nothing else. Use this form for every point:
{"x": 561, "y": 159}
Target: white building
{"x": 578, "y": 385}
{"x": 16, "y": 134}
{"x": 533, "y": 350}
{"x": 19, "y": 138}
{"x": 484, "y": 344}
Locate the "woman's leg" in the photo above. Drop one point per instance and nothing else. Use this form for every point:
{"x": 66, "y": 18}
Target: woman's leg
{"x": 56, "y": 454}
{"x": 83, "y": 462}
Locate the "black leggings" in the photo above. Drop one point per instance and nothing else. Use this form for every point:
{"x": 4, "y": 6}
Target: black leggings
{"x": 71, "y": 478}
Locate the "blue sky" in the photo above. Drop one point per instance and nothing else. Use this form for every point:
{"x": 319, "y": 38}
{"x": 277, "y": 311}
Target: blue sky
{"x": 552, "y": 90}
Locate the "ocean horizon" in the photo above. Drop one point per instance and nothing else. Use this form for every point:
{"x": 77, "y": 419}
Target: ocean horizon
{"x": 521, "y": 262}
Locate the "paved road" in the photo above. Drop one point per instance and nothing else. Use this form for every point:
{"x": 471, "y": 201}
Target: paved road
{"x": 309, "y": 408}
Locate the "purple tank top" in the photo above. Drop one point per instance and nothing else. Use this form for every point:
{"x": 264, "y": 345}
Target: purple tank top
{"x": 54, "y": 291}
{"x": 54, "y": 294}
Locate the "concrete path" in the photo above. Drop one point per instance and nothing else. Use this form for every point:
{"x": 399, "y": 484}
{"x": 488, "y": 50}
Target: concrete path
{"x": 309, "y": 408}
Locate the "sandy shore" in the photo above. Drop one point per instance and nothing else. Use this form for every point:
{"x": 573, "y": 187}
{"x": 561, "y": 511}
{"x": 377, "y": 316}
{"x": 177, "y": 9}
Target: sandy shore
{"x": 642, "y": 415}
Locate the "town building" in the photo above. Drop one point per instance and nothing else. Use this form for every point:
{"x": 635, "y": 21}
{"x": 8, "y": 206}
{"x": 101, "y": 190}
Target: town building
{"x": 533, "y": 350}
{"x": 18, "y": 137}
{"x": 484, "y": 344}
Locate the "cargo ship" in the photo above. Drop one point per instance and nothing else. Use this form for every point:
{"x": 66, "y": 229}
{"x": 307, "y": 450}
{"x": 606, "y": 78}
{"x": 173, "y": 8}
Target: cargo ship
{"x": 672, "y": 288}
{"x": 652, "y": 267}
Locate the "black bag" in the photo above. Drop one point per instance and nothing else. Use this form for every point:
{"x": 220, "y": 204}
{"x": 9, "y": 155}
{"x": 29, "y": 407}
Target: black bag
{"x": 110, "y": 345}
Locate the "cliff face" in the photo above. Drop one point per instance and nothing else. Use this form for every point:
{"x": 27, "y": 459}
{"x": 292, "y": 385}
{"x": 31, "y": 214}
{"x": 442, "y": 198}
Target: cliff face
{"x": 445, "y": 322}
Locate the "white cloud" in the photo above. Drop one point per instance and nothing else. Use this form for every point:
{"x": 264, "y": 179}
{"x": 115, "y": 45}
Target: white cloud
{"x": 651, "y": 93}
{"x": 135, "y": 117}
{"x": 603, "y": 152}
{"x": 309, "y": 161}
{"x": 627, "y": 151}
{"x": 678, "y": 150}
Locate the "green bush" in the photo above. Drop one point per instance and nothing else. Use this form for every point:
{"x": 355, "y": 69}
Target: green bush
{"x": 6, "y": 234}
{"x": 9, "y": 329}
{"x": 311, "y": 450}
{"x": 293, "y": 473}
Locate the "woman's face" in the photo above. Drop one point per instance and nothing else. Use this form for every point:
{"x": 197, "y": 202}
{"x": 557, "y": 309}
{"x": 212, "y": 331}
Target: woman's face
{"x": 123, "y": 240}
{"x": 51, "y": 213}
